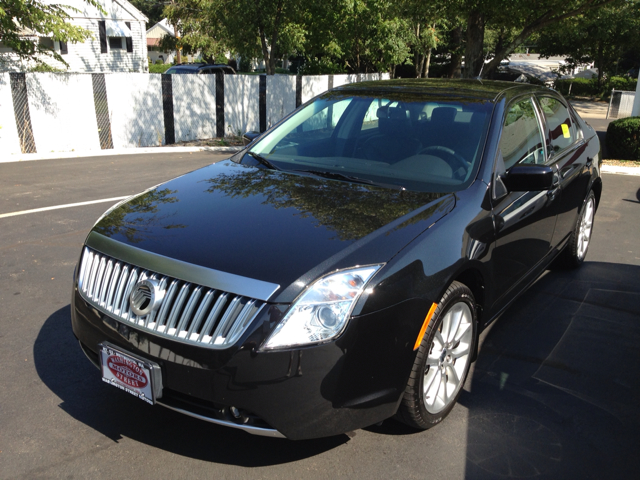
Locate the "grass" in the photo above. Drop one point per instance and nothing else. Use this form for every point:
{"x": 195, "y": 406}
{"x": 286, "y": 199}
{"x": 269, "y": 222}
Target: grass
{"x": 229, "y": 141}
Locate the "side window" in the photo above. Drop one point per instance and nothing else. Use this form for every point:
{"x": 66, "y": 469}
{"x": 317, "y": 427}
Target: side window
{"x": 562, "y": 130}
{"x": 521, "y": 140}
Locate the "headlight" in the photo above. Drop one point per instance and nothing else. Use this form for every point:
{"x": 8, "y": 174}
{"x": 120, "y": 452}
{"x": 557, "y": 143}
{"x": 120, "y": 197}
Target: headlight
{"x": 322, "y": 311}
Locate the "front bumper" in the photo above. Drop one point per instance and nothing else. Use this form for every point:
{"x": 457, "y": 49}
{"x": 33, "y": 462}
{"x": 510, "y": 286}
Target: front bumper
{"x": 311, "y": 392}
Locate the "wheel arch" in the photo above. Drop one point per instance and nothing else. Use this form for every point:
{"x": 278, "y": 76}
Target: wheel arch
{"x": 597, "y": 190}
{"x": 475, "y": 281}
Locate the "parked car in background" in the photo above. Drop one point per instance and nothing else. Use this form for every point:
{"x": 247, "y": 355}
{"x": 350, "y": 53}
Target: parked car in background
{"x": 201, "y": 68}
{"x": 338, "y": 270}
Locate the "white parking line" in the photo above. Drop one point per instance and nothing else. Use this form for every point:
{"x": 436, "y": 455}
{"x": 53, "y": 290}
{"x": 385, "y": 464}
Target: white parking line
{"x": 57, "y": 207}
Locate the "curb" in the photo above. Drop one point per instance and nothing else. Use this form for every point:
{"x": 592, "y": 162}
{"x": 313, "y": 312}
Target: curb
{"x": 620, "y": 170}
{"x": 25, "y": 157}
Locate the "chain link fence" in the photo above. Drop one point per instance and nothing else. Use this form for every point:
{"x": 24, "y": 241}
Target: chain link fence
{"x": 21, "y": 109}
{"x": 101, "y": 103}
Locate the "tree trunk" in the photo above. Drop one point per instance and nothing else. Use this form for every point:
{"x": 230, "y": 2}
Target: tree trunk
{"x": 271, "y": 70}
{"x": 455, "y": 68}
{"x": 474, "y": 57}
{"x": 599, "y": 64}
{"x": 178, "y": 52}
{"x": 417, "y": 56}
{"x": 265, "y": 50}
{"x": 419, "y": 65}
{"x": 426, "y": 64}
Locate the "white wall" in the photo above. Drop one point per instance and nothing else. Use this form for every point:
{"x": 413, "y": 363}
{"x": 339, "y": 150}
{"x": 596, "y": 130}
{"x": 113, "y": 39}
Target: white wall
{"x": 9, "y": 139}
{"x": 194, "y": 106}
{"x": 135, "y": 109}
{"x": 281, "y": 97}
{"x": 241, "y": 103}
{"x": 62, "y": 111}
{"x": 63, "y": 115}
{"x": 313, "y": 85}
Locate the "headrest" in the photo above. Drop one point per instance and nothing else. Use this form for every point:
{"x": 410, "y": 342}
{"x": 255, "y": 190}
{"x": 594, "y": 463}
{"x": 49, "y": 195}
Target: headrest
{"x": 444, "y": 114}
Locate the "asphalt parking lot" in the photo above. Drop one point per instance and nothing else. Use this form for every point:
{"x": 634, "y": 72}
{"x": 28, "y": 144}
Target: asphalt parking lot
{"x": 555, "y": 392}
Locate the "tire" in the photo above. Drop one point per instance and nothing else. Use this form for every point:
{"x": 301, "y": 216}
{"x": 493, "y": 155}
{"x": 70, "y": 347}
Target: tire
{"x": 576, "y": 250}
{"x": 442, "y": 362}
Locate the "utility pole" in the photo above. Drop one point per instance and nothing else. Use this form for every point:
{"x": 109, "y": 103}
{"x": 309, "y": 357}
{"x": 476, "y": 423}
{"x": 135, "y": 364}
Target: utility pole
{"x": 635, "y": 111}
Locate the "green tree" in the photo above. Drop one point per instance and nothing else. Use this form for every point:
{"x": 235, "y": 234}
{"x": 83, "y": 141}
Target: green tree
{"x": 514, "y": 21}
{"x": 253, "y": 28}
{"x": 152, "y": 9}
{"x": 356, "y": 36}
{"x": 21, "y": 20}
{"x": 601, "y": 36}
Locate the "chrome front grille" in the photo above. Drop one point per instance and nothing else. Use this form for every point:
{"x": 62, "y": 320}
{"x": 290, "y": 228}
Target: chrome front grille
{"x": 188, "y": 312}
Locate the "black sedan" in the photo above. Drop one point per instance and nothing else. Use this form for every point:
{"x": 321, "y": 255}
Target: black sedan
{"x": 338, "y": 271}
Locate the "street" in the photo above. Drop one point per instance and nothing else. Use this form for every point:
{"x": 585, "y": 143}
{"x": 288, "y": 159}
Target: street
{"x": 555, "y": 392}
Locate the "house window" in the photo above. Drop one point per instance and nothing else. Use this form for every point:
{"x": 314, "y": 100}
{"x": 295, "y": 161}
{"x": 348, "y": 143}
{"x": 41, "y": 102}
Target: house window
{"x": 116, "y": 43}
{"x": 46, "y": 42}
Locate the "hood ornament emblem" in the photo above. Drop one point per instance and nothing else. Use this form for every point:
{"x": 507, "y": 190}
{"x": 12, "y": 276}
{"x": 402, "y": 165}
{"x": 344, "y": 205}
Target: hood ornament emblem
{"x": 145, "y": 297}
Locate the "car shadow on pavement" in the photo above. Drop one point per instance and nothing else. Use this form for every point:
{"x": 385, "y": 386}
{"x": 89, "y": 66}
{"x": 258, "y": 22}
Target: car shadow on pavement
{"x": 556, "y": 387}
{"x": 65, "y": 370}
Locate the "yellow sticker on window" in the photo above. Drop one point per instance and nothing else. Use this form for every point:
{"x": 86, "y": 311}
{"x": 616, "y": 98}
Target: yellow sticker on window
{"x": 565, "y": 131}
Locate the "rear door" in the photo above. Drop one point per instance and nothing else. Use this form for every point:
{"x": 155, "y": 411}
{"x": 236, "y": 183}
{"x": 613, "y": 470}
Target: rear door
{"x": 567, "y": 150}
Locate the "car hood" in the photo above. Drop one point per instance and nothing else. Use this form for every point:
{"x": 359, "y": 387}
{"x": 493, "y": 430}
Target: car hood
{"x": 273, "y": 226}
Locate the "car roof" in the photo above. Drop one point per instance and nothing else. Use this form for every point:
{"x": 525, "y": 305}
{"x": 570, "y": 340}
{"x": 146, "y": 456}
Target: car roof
{"x": 460, "y": 90}
{"x": 199, "y": 66}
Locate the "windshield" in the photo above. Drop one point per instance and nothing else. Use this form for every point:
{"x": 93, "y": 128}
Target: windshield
{"x": 411, "y": 143}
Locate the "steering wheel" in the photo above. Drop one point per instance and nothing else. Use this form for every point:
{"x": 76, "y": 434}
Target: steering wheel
{"x": 458, "y": 164}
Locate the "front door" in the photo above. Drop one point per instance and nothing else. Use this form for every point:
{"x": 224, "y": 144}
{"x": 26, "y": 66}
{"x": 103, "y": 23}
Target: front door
{"x": 524, "y": 221}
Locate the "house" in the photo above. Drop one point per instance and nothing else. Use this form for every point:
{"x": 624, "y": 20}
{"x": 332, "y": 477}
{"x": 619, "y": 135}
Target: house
{"x": 154, "y": 39}
{"x": 118, "y": 45}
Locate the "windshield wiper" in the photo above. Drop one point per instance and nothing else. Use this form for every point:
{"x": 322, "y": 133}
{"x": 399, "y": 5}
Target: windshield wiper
{"x": 336, "y": 176}
{"x": 263, "y": 160}
{"x": 349, "y": 178}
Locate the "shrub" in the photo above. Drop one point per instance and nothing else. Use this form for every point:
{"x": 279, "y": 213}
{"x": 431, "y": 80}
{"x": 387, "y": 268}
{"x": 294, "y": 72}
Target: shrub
{"x": 579, "y": 86}
{"x": 623, "y": 139}
{"x": 622, "y": 83}
{"x": 589, "y": 87}
{"x": 44, "y": 68}
{"x": 159, "y": 68}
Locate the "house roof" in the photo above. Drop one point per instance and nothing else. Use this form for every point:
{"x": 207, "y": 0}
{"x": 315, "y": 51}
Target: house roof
{"x": 114, "y": 8}
{"x": 132, "y": 10}
{"x": 165, "y": 26}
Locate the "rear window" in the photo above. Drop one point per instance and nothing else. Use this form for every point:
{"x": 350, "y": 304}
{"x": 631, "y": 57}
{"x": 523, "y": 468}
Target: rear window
{"x": 181, "y": 70}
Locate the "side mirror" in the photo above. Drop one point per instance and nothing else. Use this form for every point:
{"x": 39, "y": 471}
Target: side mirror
{"x": 521, "y": 178}
{"x": 249, "y": 137}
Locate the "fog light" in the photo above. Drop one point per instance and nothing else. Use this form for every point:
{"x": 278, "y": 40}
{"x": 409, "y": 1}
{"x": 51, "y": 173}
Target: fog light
{"x": 235, "y": 412}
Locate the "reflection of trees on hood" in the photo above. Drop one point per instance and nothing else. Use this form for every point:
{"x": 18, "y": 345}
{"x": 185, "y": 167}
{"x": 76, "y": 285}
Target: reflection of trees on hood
{"x": 352, "y": 210}
{"x": 133, "y": 219}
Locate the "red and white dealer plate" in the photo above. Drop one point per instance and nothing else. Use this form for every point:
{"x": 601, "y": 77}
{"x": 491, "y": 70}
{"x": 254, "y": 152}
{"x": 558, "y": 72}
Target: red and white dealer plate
{"x": 135, "y": 375}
